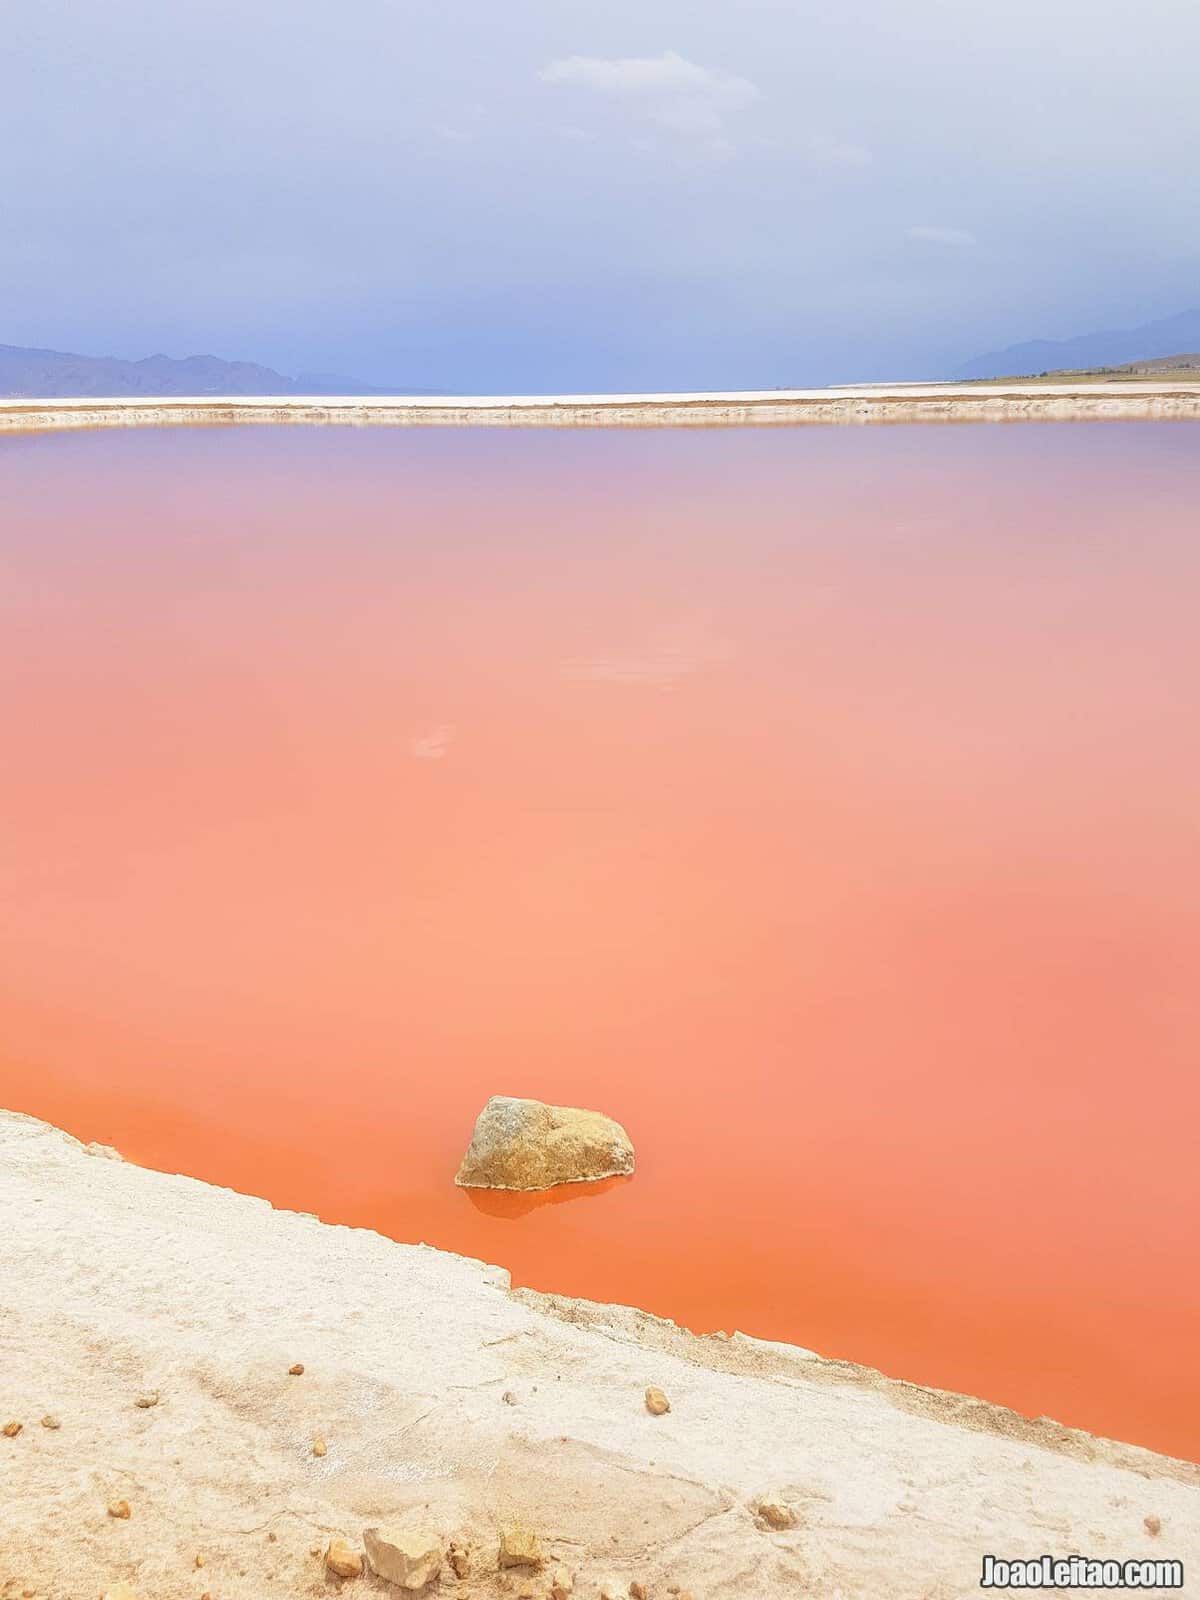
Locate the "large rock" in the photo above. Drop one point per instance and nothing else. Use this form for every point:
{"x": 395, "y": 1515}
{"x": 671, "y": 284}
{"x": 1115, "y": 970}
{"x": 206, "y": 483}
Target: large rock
{"x": 523, "y": 1144}
{"x": 408, "y": 1557}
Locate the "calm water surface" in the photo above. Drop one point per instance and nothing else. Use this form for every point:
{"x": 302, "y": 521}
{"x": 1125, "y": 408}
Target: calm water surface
{"x": 825, "y": 804}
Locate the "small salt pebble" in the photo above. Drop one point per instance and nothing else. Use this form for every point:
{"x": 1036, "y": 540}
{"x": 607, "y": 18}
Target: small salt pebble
{"x": 656, "y": 1402}
{"x": 519, "y": 1547}
{"x": 297, "y": 1370}
{"x": 1153, "y": 1526}
{"x": 145, "y": 1401}
{"x": 199, "y": 1561}
{"x": 119, "y": 1509}
{"x": 637, "y": 1591}
{"x": 776, "y": 1513}
{"x": 509, "y": 1398}
{"x": 50, "y": 1422}
{"x": 272, "y": 1537}
{"x": 12, "y": 1429}
{"x": 459, "y": 1558}
{"x": 343, "y": 1560}
{"x": 318, "y": 1447}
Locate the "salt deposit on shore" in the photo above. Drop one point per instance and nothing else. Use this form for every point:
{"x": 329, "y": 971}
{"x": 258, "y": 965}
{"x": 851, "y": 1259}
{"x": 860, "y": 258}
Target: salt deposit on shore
{"x": 876, "y": 403}
{"x": 179, "y": 1349}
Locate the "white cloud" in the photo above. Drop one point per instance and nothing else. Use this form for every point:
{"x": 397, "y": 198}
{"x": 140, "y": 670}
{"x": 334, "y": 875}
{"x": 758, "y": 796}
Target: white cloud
{"x": 675, "y": 94}
{"x": 460, "y": 126}
{"x": 951, "y": 238}
{"x": 826, "y": 152}
{"x": 669, "y": 73}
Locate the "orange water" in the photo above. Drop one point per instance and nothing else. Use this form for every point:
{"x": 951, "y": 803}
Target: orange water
{"x": 824, "y": 804}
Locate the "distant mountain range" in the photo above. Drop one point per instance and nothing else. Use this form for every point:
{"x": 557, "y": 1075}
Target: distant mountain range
{"x": 55, "y": 374}
{"x": 1090, "y": 350}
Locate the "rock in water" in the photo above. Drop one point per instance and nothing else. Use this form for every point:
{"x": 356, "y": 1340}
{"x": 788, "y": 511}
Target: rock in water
{"x": 407, "y": 1557}
{"x": 524, "y": 1144}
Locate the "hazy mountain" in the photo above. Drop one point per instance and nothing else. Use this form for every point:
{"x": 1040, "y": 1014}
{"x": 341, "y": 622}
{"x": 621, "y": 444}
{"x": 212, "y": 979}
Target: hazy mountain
{"x": 46, "y": 374}
{"x": 1188, "y": 362}
{"x": 1163, "y": 338}
{"x": 334, "y": 383}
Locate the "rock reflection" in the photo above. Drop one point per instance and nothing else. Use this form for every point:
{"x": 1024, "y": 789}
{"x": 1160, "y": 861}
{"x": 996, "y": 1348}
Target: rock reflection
{"x": 519, "y": 1203}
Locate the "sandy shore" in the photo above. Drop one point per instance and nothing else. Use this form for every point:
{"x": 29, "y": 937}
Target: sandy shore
{"x": 879, "y": 403}
{"x": 443, "y": 1395}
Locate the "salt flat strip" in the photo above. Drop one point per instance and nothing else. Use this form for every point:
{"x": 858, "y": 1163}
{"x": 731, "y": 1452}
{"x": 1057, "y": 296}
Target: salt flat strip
{"x": 876, "y": 403}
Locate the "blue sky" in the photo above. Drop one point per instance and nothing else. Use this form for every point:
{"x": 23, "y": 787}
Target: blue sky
{"x": 594, "y": 194}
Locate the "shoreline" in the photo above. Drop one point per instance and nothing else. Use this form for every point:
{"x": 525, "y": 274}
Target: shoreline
{"x": 848, "y": 405}
{"x": 441, "y": 1394}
